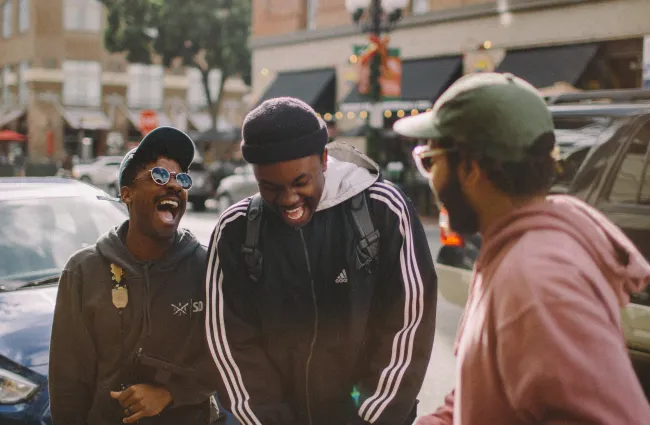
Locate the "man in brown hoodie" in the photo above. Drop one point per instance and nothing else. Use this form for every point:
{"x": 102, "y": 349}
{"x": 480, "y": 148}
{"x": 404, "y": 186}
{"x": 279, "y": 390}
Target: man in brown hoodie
{"x": 540, "y": 341}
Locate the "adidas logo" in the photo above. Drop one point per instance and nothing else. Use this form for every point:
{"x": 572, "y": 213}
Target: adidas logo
{"x": 343, "y": 277}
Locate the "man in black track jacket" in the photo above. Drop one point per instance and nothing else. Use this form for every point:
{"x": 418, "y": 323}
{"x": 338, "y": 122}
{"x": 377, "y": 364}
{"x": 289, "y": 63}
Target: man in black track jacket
{"x": 303, "y": 329}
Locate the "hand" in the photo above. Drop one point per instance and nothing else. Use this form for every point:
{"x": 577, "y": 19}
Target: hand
{"x": 142, "y": 400}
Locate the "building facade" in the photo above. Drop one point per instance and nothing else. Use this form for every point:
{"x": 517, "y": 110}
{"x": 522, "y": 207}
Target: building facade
{"x": 61, "y": 88}
{"x": 304, "y": 48}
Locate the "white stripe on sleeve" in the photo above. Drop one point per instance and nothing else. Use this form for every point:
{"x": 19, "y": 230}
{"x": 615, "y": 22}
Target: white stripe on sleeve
{"x": 403, "y": 342}
{"x": 215, "y": 326}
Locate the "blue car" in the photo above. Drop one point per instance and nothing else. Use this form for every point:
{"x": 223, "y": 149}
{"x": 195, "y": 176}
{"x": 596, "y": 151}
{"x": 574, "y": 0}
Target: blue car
{"x": 42, "y": 222}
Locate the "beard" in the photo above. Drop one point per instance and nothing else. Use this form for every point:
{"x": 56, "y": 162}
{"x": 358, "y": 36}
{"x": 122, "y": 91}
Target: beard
{"x": 463, "y": 219}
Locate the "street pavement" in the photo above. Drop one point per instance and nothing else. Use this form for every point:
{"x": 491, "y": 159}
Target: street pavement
{"x": 440, "y": 374}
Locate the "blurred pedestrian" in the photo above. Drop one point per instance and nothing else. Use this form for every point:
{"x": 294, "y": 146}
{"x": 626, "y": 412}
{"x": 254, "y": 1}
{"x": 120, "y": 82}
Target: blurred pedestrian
{"x": 128, "y": 339}
{"x": 19, "y": 163}
{"x": 322, "y": 291}
{"x": 332, "y": 131}
{"x": 540, "y": 340}
{"x": 67, "y": 165}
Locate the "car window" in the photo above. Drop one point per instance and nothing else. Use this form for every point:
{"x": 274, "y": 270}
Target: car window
{"x": 112, "y": 164}
{"x": 632, "y": 182}
{"x": 37, "y": 236}
{"x": 576, "y": 138}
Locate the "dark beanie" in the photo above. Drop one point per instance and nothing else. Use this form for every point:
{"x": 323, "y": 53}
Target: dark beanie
{"x": 282, "y": 129}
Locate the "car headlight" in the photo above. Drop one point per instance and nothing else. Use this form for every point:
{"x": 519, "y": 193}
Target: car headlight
{"x": 15, "y": 388}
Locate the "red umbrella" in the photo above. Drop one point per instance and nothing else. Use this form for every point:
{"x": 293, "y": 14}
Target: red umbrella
{"x": 11, "y": 136}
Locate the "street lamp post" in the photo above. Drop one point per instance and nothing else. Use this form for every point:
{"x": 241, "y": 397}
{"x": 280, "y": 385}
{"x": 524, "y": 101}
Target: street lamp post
{"x": 375, "y": 17}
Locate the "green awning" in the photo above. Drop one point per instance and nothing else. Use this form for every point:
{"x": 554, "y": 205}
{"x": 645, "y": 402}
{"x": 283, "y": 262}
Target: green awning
{"x": 423, "y": 81}
{"x": 316, "y": 87}
{"x": 545, "y": 66}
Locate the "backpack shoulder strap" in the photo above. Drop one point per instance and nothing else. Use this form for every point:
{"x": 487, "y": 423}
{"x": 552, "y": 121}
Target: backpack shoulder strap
{"x": 367, "y": 249}
{"x": 250, "y": 248}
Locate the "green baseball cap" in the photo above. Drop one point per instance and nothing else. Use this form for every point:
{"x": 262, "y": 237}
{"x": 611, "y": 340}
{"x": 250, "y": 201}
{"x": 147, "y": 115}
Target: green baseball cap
{"x": 499, "y": 115}
{"x": 166, "y": 141}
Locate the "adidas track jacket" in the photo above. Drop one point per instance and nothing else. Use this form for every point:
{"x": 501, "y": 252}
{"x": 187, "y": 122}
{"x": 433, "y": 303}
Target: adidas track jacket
{"x": 284, "y": 346}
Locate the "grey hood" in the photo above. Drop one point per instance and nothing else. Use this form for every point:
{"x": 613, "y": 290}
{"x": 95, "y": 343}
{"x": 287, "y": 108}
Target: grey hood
{"x": 113, "y": 249}
{"x": 349, "y": 172}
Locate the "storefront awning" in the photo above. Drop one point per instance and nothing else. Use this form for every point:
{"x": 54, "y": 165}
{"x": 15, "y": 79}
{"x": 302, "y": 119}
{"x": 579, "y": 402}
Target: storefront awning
{"x": 10, "y": 116}
{"x": 202, "y": 122}
{"x": 11, "y": 136}
{"x": 423, "y": 81}
{"x": 86, "y": 118}
{"x": 134, "y": 117}
{"x": 316, "y": 87}
{"x": 545, "y": 66}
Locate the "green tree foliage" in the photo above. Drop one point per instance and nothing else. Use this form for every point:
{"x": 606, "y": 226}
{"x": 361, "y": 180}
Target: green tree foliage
{"x": 206, "y": 34}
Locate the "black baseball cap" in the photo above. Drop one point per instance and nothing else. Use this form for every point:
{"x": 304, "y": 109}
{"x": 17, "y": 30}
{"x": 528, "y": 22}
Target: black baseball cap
{"x": 169, "y": 141}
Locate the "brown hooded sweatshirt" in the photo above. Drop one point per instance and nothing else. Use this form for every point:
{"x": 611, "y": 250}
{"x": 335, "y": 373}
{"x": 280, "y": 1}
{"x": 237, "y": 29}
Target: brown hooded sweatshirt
{"x": 540, "y": 341}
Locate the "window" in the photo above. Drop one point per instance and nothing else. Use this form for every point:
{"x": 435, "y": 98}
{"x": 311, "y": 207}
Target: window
{"x": 420, "y": 7}
{"x": 6, "y": 82}
{"x": 632, "y": 183}
{"x": 146, "y": 83}
{"x": 23, "y": 15}
{"x": 7, "y": 18}
{"x": 312, "y": 10}
{"x": 82, "y": 84}
{"x": 23, "y": 90}
{"x": 82, "y": 15}
{"x": 196, "y": 93}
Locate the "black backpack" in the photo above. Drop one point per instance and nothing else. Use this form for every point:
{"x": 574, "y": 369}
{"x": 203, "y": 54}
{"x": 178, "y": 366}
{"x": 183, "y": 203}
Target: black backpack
{"x": 366, "y": 251}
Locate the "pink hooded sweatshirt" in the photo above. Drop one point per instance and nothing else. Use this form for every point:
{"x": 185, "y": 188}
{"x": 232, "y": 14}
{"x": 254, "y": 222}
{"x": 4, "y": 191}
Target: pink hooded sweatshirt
{"x": 540, "y": 341}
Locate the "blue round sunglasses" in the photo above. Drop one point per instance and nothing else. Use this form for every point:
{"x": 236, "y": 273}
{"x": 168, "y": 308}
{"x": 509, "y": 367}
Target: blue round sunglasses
{"x": 161, "y": 176}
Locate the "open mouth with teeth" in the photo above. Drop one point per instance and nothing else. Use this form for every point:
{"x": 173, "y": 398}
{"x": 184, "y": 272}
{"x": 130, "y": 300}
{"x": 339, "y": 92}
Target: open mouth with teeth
{"x": 168, "y": 210}
{"x": 295, "y": 214}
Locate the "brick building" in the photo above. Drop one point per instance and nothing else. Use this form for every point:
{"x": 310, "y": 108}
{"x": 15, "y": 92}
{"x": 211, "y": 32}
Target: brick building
{"x": 304, "y": 48}
{"x": 59, "y": 85}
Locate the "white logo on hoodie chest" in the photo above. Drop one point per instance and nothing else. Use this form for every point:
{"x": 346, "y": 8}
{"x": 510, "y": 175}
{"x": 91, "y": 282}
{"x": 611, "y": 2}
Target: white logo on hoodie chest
{"x": 182, "y": 309}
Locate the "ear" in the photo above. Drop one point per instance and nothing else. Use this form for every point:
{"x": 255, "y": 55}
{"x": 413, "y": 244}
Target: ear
{"x": 323, "y": 160}
{"x": 126, "y": 195}
{"x": 469, "y": 173}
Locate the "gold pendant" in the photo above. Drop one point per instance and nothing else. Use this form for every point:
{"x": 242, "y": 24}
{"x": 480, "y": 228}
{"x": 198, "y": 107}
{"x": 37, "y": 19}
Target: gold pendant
{"x": 120, "y": 296}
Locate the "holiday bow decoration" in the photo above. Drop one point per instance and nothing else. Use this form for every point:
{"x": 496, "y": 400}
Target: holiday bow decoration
{"x": 377, "y": 46}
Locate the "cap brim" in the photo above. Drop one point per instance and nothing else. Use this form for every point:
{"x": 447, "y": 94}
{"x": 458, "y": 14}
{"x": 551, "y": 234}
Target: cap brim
{"x": 419, "y": 126}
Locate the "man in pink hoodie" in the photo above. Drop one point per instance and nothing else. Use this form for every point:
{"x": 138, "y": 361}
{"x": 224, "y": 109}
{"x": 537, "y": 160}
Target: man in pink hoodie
{"x": 540, "y": 341}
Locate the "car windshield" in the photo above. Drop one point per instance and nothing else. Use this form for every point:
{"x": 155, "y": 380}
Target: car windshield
{"x": 38, "y": 235}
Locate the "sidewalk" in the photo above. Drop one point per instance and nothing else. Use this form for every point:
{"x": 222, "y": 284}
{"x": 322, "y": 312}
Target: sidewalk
{"x": 428, "y": 221}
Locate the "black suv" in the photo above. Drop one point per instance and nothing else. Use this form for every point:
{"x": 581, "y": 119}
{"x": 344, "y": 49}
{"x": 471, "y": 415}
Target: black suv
{"x": 604, "y": 140}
